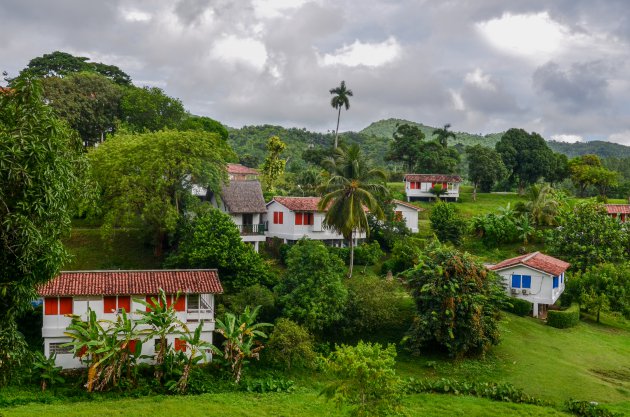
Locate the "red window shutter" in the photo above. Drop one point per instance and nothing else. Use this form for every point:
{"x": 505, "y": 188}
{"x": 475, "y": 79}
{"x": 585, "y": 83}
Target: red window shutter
{"x": 109, "y": 304}
{"x": 180, "y": 305}
{"x": 275, "y": 217}
{"x": 169, "y": 299}
{"x": 281, "y": 217}
{"x": 309, "y": 219}
{"x": 131, "y": 347}
{"x": 413, "y": 185}
{"x": 81, "y": 353}
{"x": 298, "y": 218}
{"x": 51, "y": 306}
{"x": 418, "y": 184}
{"x": 180, "y": 345}
{"x": 124, "y": 302}
{"x": 398, "y": 216}
{"x": 65, "y": 305}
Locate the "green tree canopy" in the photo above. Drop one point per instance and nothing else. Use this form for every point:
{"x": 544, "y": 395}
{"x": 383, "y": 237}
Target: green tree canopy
{"x": 587, "y": 170}
{"x": 485, "y": 168}
{"x": 312, "y": 292}
{"x": 205, "y": 124}
{"x": 446, "y": 222}
{"x": 406, "y": 146}
{"x": 146, "y": 179}
{"x": 273, "y": 167}
{"x": 150, "y": 109}
{"x": 341, "y": 98}
{"x": 436, "y": 159}
{"x": 443, "y": 134}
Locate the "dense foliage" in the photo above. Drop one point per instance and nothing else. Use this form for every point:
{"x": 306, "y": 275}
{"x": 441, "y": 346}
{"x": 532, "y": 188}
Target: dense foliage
{"x": 563, "y": 319}
{"x": 457, "y": 304}
{"x": 485, "y": 168}
{"x": 447, "y": 223}
{"x": 291, "y": 344}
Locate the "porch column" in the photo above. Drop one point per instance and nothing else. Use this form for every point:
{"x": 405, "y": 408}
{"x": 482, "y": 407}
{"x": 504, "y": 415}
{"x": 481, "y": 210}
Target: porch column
{"x": 535, "y": 313}
{"x": 256, "y": 246}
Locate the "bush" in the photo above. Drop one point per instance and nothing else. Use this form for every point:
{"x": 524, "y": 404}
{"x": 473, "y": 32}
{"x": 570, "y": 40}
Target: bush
{"x": 446, "y": 223}
{"x": 405, "y": 254}
{"x": 291, "y": 344}
{"x": 252, "y": 296}
{"x": 563, "y": 319}
{"x": 520, "y": 307}
{"x": 268, "y": 384}
{"x": 587, "y": 409}
{"x": 364, "y": 254}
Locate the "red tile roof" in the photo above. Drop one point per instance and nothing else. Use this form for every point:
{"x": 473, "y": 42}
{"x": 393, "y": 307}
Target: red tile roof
{"x": 299, "y": 203}
{"x": 190, "y": 281}
{"x": 537, "y": 261}
{"x": 618, "y": 208}
{"x": 432, "y": 178}
{"x": 240, "y": 169}
{"x": 404, "y": 203}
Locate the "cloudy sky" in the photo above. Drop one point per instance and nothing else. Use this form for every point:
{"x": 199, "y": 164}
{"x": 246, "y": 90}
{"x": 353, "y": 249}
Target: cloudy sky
{"x": 560, "y": 68}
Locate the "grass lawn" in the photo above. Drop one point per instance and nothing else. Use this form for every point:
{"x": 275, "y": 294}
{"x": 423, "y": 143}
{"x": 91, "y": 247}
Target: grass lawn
{"x": 304, "y": 403}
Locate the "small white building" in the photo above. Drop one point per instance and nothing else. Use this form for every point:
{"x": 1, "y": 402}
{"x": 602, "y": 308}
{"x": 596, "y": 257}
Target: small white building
{"x": 534, "y": 277}
{"x": 408, "y": 213}
{"x": 418, "y": 186}
{"x": 107, "y": 293}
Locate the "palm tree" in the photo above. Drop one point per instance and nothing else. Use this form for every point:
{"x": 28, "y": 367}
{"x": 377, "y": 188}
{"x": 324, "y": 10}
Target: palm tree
{"x": 542, "y": 205}
{"x": 348, "y": 192}
{"x": 443, "y": 134}
{"x": 341, "y": 99}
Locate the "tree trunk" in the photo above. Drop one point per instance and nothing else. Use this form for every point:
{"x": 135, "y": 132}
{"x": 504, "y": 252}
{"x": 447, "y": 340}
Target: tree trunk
{"x": 351, "y": 254}
{"x": 337, "y": 130}
{"x": 521, "y": 188}
{"x": 475, "y": 192}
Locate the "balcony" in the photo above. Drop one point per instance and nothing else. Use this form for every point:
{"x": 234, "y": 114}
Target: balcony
{"x": 251, "y": 229}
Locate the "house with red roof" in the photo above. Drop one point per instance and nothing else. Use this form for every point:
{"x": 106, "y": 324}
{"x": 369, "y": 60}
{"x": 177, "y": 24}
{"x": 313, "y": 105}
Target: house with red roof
{"x": 407, "y": 212}
{"x": 619, "y": 211}
{"x": 419, "y": 186}
{"x": 534, "y": 277}
{"x": 108, "y": 293}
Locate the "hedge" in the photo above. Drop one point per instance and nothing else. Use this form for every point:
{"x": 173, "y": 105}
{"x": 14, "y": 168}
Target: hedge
{"x": 563, "y": 319}
{"x": 520, "y": 307}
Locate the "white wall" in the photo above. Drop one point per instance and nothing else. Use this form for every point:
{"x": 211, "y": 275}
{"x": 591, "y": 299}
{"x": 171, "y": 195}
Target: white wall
{"x": 410, "y": 216}
{"x": 541, "y": 292}
{"x": 424, "y": 190}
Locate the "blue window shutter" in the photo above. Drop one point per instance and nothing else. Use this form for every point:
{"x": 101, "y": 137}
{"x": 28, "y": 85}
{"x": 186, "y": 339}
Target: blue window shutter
{"x": 555, "y": 282}
{"x": 516, "y": 281}
{"x": 527, "y": 281}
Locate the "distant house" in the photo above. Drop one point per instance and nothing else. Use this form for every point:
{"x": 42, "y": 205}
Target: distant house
{"x": 418, "y": 186}
{"x": 238, "y": 172}
{"x": 619, "y": 211}
{"x": 408, "y": 213}
{"x": 534, "y": 277}
{"x": 107, "y": 293}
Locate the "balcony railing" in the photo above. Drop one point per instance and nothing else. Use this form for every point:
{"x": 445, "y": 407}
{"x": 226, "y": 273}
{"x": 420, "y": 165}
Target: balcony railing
{"x": 251, "y": 229}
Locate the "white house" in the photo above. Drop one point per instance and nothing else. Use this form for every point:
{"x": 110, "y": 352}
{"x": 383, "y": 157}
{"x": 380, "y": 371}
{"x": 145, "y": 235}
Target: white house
{"x": 534, "y": 277}
{"x": 418, "y": 186}
{"x": 408, "y": 213}
{"x": 292, "y": 218}
{"x": 238, "y": 172}
{"x": 109, "y": 292}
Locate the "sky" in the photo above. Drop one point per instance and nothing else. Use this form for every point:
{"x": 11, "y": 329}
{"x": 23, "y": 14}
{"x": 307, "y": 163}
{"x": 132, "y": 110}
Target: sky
{"x": 560, "y": 68}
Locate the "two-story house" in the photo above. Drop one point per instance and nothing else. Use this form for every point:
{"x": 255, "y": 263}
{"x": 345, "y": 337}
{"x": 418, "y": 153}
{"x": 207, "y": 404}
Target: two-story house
{"x": 535, "y": 277}
{"x": 107, "y": 293}
{"x": 418, "y": 186}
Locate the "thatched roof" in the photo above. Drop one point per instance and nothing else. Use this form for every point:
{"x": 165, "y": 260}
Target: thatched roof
{"x": 243, "y": 197}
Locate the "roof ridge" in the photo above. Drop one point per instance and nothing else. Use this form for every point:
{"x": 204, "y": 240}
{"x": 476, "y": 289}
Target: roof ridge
{"x": 530, "y": 256}
{"x": 82, "y": 271}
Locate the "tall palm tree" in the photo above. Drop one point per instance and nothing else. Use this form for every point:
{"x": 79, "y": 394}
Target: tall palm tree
{"x": 349, "y": 192}
{"x": 341, "y": 99}
{"x": 443, "y": 134}
{"x": 542, "y": 205}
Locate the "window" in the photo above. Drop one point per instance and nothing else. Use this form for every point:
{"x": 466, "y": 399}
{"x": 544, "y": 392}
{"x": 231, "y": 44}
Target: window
{"x": 193, "y": 301}
{"x": 131, "y": 347}
{"x": 555, "y": 282}
{"x": 298, "y": 218}
{"x": 516, "y": 281}
{"x": 398, "y": 216}
{"x": 180, "y": 345}
{"x": 54, "y": 306}
{"x": 413, "y": 185}
{"x": 58, "y": 349}
{"x": 526, "y": 281}
{"x": 156, "y": 345}
{"x": 278, "y": 217}
{"x": 308, "y": 219}
{"x": 180, "y": 303}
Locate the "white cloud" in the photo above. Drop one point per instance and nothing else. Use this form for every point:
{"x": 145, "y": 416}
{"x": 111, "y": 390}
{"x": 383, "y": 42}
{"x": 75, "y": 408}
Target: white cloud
{"x": 458, "y": 101}
{"x": 479, "y": 79}
{"x": 132, "y": 15}
{"x": 365, "y": 54}
{"x": 567, "y": 138}
{"x": 620, "y": 137}
{"x": 249, "y": 51}
{"x": 268, "y": 9}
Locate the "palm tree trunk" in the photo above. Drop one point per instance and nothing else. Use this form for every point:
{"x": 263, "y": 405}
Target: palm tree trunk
{"x": 337, "y": 130}
{"x": 351, "y": 254}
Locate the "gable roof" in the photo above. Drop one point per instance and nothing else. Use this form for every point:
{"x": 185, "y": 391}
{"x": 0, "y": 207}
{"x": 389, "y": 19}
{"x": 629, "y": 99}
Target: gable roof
{"x": 432, "y": 178}
{"x": 618, "y": 208}
{"x": 83, "y": 283}
{"x": 536, "y": 260}
{"x": 243, "y": 197}
{"x": 406, "y": 204}
{"x": 298, "y": 203}
{"x": 240, "y": 169}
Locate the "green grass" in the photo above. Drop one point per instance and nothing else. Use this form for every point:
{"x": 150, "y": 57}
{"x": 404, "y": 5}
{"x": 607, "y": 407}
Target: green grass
{"x": 90, "y": 252}
{"x": 304, "y": 403}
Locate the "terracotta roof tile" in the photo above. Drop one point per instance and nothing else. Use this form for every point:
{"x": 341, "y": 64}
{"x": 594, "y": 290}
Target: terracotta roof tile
{"x": 406, "y": 204}
{"x": 240, "y": 169}
{"x": 191, "y": 281}
{"x": 432, "y": 178}
{"x": 618, "y": 208}
{"x": 537, "y": 261}
{"x": 299, "y": 203}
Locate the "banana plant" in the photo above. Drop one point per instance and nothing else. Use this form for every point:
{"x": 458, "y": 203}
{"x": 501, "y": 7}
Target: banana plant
{"x": 49, "y": 374}
{"x": 197, "y": 350}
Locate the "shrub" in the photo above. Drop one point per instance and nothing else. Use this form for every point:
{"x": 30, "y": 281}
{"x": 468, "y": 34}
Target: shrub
{"x": 405, "y": 254}
{"x": 494, "y": 229}
{"x": 291, "y": 344}
{"x": 364, "y": 254}
{"x": 255, "y": 295}
{"x": 268, "y": 384}
{"x": 587, "y": 409}
{"x": 446, "y": 223}
{"x": 563, "y": 319}
{"x": 520, "y": 307}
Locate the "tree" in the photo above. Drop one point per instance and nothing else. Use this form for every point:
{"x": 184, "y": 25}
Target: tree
{"x": 526, "y": 156}
{"x": 61, "y": 64}
{"x": 406, "y": 146}
{"x": 273, "y": 167}
{"x": 542, "y": 204}
{"x": 587, "y": 170}
{"x": 436, "y": 159}
{"x": 443, "y": 134}
{"x": 446, "y": 223}
{"x": 457, "y": 303}
{"x": 146, "y": 179}
{"x": 212, "y": 240}
{"x": 291, "y": 344}
{"x": 364, "y": 377}
{"x": 485, "y": 168}
{"x": 349, "y": 191}
{"x": 559, "y": 169}
{"x": 312, "y": 292}
{"x": 205, "y": 124}
{"x": 604, "y": 287}
{"x": 40, "y": 182}
{"x": 587, "y": 236}
{"x": 340, "y": 99}
{"x": 90, "y": 103}
{"x": 150, "y": 109}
